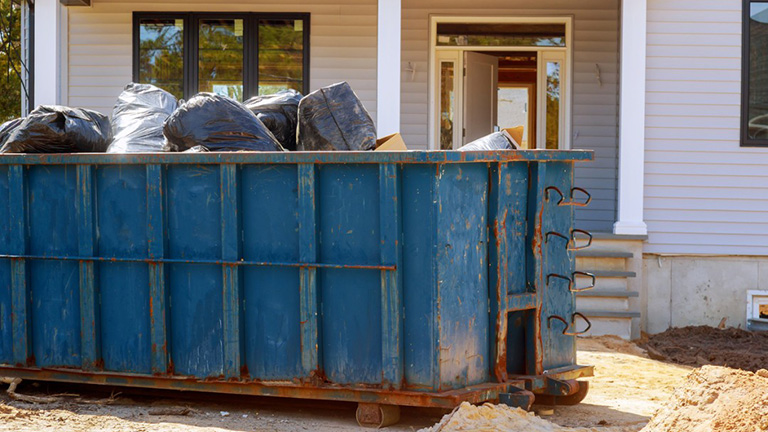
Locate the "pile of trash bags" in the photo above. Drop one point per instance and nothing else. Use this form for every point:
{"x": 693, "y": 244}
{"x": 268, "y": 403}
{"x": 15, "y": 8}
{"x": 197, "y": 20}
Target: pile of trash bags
{"x": 147, "y": 119}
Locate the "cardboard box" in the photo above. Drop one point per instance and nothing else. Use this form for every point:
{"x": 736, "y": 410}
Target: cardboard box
{"x": 392, "y": 142}
{"x": 517, "y": 134}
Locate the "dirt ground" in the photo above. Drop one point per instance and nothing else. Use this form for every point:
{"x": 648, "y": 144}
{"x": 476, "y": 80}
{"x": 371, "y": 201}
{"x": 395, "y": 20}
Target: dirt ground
{"x": 698, "y": 346}
{"x": 627, "y": 389}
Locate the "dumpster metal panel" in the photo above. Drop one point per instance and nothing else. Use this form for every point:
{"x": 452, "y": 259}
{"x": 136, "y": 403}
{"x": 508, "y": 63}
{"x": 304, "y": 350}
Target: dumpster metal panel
{"x": 6, "y": 325}
{"x": 462, "y": 274}
{"x": 354, "y": 275}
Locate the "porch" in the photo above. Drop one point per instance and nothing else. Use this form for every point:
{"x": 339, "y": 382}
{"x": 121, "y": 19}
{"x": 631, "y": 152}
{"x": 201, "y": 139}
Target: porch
{"x": 389, "y": 52}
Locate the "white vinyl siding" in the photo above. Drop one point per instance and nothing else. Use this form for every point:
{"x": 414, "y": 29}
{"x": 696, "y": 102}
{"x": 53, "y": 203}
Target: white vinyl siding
{"x": 595, "y": 105}
{"x": 342, "y": 44}
{"x": 704, "y": 194}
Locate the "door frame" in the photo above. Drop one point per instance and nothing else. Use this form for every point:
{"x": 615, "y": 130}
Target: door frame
{"x": 533, "y": 104}
{"x": 434, "y": 79}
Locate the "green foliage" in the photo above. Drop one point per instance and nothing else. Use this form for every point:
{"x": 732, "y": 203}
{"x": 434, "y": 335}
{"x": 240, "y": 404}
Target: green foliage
{"x": 11, "y": 66}
{"x": 161, "y": 53}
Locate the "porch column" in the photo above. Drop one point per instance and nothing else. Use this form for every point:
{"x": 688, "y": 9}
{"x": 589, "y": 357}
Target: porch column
{"x": 50, "y": 37}
{"x": 388, "y": 68}
{"x": 632, "y": 119}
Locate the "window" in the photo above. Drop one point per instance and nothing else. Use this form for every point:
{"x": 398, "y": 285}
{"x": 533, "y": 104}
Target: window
{"x": 754, "y": 95}
{"x": 238, "y": 55}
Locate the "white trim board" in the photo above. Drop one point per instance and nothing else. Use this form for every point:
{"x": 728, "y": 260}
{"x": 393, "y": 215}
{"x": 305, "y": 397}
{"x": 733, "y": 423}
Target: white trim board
{"x": 433, "y": 49}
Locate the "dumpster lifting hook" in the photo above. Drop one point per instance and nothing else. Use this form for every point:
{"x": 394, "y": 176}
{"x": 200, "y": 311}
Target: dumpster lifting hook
{"x": 572, "y": 202}
{"x": 572, "y": 280}
{"x": 573, "y": 320}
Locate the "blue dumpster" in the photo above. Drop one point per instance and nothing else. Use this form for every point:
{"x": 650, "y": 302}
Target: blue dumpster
{"x": 407, "y": 278}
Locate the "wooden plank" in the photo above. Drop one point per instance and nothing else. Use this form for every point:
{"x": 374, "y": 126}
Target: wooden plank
{"x": 391, "y": 280}
{"x": 90, "y": 341}
{"x": 231, "y": 251}
{"x": 309, "y": 302}
{"x": 20, "y": 301}
{"x": 158, "y": 295}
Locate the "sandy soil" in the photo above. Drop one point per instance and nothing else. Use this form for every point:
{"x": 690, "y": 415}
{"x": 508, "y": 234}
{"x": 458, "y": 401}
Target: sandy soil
{"x": 627, "y": 389}
{"x": 715, "y": 398}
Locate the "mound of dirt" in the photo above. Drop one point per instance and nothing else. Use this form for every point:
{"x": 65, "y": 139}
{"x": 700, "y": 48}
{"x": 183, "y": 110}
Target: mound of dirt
{"x": 698, "y": 346}
{"x": 716, "y": 399}
{"x": 492, "y": 418}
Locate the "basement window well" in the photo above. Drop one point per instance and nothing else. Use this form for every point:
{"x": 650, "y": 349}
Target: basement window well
{"x": 757, "y": 310}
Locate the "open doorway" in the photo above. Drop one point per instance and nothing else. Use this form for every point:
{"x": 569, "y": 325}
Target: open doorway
{"x": 493, "y": 75}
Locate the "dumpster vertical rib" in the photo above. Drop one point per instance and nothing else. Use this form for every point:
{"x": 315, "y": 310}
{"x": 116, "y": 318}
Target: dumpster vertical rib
{"x": 535, "y": 264}
{"x": 391, "y": 280}
{"x": 309, "y": 309}
{"x": 230, "y": 251}
{"x": 507, "y": 205}
{"x": 17, "y": 198}
{"x": 157, "y": 286}
{"x": 90, "y": 341}
{"x": 436, "y": 285}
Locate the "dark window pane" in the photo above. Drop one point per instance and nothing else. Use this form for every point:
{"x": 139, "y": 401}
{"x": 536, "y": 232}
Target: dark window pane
{"x": 161, "y": 54}
{"x": 447, "y": 101}
{"x": 220, "y": 57}
{"x": 501, "y": 34}
{"x": 281, "y": 55}
{"x": 553, "y": 106}
{"x": 758, "y": 71}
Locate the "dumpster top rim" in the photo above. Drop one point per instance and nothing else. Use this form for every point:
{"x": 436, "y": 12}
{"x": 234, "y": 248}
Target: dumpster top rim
{"x": 414, "y": 156}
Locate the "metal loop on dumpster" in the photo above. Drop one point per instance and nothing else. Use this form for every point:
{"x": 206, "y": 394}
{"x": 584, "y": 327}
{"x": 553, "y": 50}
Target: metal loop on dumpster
{"x": 586, "y": 288}
{"x": 559, "y": 276}
{"x": 574, "y": 203}
{"x": 557, "y": 234}
{"x": 573, "y": 321}
{"x": 572, "y": 243}
{"x": 556, "y": 189}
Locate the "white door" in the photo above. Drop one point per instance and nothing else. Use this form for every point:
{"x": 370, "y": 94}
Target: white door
{"x": 481, "y": 78}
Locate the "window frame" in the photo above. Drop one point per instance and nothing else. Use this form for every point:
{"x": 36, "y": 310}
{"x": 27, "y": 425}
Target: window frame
{"x": 250, "y": 45}
{"x": 745, "y": 140}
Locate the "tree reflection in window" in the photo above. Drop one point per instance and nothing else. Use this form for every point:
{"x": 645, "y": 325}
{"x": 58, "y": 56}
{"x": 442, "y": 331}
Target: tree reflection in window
{"x": 161, "y": 54}
{"x": 281, "y": 55}
{"x": 220, "y": 57}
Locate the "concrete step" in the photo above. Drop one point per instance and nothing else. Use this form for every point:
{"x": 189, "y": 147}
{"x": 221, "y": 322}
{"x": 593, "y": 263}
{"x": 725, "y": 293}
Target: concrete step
{"x": 607, "y": 243}
{"x": 609, "y": 314}
{"x": 604, "y": 283}
{"x": 614, "y": 304}
{"x": 608, "y": 293}
{"x": 621, "y": 327}
{"x": 589, "y": 253}
{"x": 612, "y": 273}
{"x": 601, "y": 263}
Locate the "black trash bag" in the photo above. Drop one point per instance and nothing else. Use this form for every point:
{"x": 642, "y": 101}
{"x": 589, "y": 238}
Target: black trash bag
{"x": 7, "y": 128}
{"x": 60, "y": 129}
{"x": 333, "y": 118}
{"x": 218, "y": 123}
{"x": 138, "y": 118}
{"x": 495, "y": 141}
{"x": 278, "y": 113}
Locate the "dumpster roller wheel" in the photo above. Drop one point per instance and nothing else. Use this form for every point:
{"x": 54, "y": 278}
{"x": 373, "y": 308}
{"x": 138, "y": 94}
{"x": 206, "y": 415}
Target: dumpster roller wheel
{"x": 373, "y": 415}
{"x": 572, "y": 399}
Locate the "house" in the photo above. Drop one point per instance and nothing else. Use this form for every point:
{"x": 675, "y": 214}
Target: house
{"x": 668, "y": 93}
